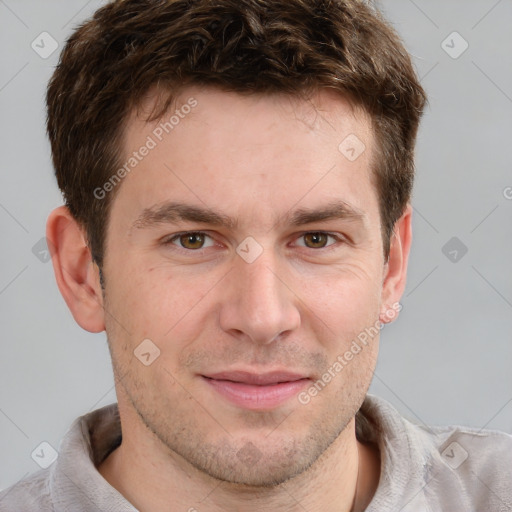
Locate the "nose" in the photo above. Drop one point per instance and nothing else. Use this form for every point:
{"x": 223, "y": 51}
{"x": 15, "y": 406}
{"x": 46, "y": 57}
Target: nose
{"x": 258, "y": 304}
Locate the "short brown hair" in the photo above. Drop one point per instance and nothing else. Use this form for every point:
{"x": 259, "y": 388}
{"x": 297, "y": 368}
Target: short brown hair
{"x": 248, "y": 46}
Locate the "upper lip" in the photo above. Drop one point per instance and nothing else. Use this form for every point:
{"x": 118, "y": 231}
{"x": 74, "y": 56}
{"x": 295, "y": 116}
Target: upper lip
{"x": 260, "y": 379}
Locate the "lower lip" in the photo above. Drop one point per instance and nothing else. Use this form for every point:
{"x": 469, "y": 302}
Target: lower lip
{"x": 254, "y": 397}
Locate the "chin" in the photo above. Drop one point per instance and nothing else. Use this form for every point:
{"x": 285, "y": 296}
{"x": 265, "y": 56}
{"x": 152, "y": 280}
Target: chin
{"x": 258, "y": 465}
{"x": 261, "y": 476}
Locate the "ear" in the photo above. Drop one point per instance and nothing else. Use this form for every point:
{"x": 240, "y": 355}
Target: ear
{"x": 395, "y": 269}
{"x": 76, "y": 274}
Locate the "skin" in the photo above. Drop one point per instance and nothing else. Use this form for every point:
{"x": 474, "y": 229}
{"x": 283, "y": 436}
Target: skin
{"x": 297, "y": 307}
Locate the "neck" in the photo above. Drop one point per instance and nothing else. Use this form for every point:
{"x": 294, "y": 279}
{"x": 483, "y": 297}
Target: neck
{"x": 152, "y": 478}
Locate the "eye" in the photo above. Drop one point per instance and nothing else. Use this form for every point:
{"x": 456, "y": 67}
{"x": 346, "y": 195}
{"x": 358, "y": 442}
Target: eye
{"x": 192, "y": 241}
{"x": 318, "y": 239}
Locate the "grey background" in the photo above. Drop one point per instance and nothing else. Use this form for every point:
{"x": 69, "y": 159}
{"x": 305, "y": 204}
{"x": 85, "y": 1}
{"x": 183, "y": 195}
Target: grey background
{"x": 448, "y": 358}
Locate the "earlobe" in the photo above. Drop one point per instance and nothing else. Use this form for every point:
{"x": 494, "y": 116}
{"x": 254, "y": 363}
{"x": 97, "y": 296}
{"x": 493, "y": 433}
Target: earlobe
{"x": 76, "y": 274}
{"x": 395, "y": 270}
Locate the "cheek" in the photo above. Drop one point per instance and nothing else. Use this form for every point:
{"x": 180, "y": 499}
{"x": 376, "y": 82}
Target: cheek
{"x": 347, "y": 299}
{"x": 159, "y": 303}
{"x": 349, "y": 328}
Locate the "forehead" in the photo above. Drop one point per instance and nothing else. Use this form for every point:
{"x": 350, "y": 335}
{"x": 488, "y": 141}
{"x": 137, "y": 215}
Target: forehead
{"x": 247, "y": 151}
{"x": 318, "y": 110}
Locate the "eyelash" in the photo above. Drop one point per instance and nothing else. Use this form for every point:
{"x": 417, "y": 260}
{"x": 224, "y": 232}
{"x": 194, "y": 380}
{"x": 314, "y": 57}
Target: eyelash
{"x": 177, "y": 236}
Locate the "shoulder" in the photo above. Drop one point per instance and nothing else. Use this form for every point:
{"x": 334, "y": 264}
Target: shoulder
{"x": 484, "y": 450}
{"x": 438, "y": 468}
{"x": 30, "y": 494}
{"x": 478, "y": 460}
{"x": 468, "y": 447}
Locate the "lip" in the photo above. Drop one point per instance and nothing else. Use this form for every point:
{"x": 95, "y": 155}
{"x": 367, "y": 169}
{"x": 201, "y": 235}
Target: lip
{"x": 257, "y": 379}
{"x": 256, "y": 391}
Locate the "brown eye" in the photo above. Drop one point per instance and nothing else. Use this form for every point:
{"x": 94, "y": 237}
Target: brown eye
{"x": 192, "y": 240}
{"x": 316, "y": 240}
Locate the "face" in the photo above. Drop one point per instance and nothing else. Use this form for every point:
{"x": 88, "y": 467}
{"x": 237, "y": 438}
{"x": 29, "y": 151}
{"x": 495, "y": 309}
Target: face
{"x": 246, "y": 246}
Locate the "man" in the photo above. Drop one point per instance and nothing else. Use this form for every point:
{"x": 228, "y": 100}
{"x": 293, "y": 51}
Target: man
{"x": 237, "y": 177}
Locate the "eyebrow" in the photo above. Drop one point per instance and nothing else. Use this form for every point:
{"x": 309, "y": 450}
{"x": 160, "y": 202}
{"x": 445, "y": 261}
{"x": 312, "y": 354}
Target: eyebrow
{"x": 172, "y": 212}
{"x": 336, "y": 210}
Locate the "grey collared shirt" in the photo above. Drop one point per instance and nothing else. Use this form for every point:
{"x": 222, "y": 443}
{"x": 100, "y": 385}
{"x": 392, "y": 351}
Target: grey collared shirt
{"x": 422, "y": 469}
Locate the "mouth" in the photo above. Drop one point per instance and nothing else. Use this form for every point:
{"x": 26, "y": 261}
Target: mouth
{"x": 256, "y": 391}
